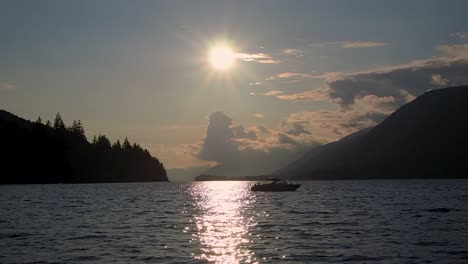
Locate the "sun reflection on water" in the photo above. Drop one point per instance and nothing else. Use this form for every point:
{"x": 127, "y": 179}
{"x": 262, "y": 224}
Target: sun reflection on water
{"x": 223, "y": 222}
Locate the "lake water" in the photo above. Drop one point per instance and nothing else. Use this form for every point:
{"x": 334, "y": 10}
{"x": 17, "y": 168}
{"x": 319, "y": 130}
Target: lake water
{"x": 406, "y": 221}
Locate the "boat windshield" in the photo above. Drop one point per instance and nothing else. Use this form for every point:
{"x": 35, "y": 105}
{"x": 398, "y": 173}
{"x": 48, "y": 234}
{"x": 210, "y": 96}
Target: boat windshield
{"x": 276, "y": 180}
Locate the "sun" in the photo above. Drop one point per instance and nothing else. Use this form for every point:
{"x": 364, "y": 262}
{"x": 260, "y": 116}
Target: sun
{"x": 222, "y": 57}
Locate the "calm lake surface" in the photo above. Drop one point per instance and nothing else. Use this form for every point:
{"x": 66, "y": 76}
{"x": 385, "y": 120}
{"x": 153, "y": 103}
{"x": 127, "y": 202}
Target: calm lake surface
{"x": 405, "y": 221}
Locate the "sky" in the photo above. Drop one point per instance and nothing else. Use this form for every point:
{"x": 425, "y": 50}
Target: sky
{"x": 305, "y": 72}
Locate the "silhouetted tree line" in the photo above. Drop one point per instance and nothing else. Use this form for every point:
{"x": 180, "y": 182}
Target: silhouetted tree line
{"x": 54, "y": 153}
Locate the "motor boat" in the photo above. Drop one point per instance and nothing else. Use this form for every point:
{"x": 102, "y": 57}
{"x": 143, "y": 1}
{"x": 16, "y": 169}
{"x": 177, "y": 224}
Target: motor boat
{"x": 274, "y": 185}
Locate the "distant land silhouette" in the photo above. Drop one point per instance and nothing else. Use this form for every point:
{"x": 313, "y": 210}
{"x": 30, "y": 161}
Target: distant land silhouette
{"x": 33, "y": 152}
{"x": 186, "y": 174}
{"x": 426, "y": 138}
{"x": 208, "y": 177}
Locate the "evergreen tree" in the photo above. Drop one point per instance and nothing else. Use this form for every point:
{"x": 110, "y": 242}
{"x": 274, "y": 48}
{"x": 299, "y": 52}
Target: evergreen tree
{"x": 54, "y": 154}
{"x": 77, "y": 129}
{"x": 117, "y": 145}
{"x": 58, "y": 123}
{"x": 126, "y": 145}
{"x": 137, "y": 147}
{"x": 38, "y": 127}
{"x": 80, "y": 129}
{"x": 103, "y": 142}
{"x": 72, "y": 128}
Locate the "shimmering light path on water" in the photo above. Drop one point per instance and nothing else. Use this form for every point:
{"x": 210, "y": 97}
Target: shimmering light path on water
{"x": 223, "y": 221}
{"x": 412, "y": 221}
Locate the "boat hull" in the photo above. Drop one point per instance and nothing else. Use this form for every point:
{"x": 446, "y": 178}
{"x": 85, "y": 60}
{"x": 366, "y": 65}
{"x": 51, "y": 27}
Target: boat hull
{"x": 275, "y": 187}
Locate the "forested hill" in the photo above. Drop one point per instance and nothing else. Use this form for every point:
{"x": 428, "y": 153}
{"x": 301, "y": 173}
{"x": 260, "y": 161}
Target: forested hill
{"x": 33, "y": 152}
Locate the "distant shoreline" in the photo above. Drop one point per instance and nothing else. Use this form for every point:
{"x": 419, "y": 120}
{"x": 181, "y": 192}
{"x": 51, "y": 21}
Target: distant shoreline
{"x": 205, "y": 177}
{"x": 264, "y": 177}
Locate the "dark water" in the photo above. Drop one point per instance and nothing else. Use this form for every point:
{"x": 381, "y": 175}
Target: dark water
{"x": 412, "y": 221}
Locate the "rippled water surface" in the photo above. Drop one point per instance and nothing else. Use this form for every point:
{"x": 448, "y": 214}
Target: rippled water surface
{"x": 408, "y": 221}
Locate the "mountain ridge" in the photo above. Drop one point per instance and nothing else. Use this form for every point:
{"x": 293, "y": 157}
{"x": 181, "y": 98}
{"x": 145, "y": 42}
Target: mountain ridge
{"x": 422, "y": 139}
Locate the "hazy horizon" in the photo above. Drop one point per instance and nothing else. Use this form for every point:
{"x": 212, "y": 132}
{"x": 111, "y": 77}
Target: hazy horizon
{"x": 296, "y": 74}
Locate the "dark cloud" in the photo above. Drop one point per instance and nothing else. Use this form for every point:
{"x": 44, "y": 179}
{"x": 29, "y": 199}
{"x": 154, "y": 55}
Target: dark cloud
{"x": 385, "y": 89}
{"x": 298, "y": 129}
{"x": 367, "y": 97}
{"x": 262, "y": 129}
{"x": 285, "y": 139}
{"x": 400, "y": 82}
{"x": 240, "y": 132}
{"x": 217, "y": 144}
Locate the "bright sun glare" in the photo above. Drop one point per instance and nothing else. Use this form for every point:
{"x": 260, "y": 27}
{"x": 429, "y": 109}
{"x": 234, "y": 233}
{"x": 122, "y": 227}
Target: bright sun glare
{"x": 222, "y": 57}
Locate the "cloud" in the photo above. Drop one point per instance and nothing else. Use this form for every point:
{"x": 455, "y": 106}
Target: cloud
{"x": 367, "y": 97}
{"x": 292, "y": 74}
{"x": 361, "y": 44}
{"x": 257, "y": 57}
{"x": 318, "y": 94}
{"x": 350, "y": 44}
{"x": 240, "y": 132}
{"x": 220, "y": 144}
{"x": 294, "y": 52}
{"x": 454, "y": 50}
{"x": 461, "y": 35}
{"x": 6, "y": 86}
{"x": 401, "y": 82}
{"x": 329, "y": 125}
{"x": 380, "y": 104}
{"x": 437, "y": 79}
{"x": 364, "y": 98}
{"x": 285, "y": 139}
{"x": 298, "y": 129}
{"x": 273, "y": 93}
{"x": 301, "y": 77}
{"x": 288, "y": 75}
{"x": 262, "y": 129}
{"x": 239, "y": 151}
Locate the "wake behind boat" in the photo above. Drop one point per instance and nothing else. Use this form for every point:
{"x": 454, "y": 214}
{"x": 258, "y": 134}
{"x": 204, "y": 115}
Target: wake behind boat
{"x": 275, "y": 185}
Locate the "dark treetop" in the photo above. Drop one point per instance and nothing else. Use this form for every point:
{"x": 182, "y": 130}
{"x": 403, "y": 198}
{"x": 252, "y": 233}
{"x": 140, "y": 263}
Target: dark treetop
{"x": 33, "y": 152}
{"x": 427, "y": 138}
